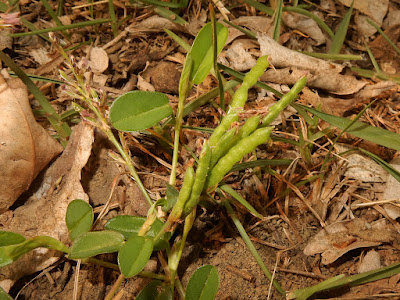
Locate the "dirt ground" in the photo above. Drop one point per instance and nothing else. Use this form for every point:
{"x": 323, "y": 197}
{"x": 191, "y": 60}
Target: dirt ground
{"x": 319, "y": 229}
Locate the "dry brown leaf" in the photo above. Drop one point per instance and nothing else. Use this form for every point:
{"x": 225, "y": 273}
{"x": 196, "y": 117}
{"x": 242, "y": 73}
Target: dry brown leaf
{"x": 371, "y": 261}
{"x": 341, "y": 237}
{"x": 330, "y": 81}
{"x": 361, "y": 167}
{"x": 44, "y": 212}
{"x": 322, "y": 74}
{"x": 25, "y": 147}
{"x": 375, "y": 9}
{"x": 282, "y": 57}
{"x": 305, "y": 25}
{"x": 237, "y": 57}
{"x": 98, "y": 61}
{"x": 392, "y": 192}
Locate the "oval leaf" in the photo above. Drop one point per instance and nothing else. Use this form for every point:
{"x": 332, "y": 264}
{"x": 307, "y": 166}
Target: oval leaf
{"x": 10, "y": 238}
{"x": 150, "y": 291}
{"x": 92, "y": 243}
{"x": 204, "y": 283}
{"x": 130, "y": 226}
{"x": 134, "y": 255}
{"x": 139, "y": 110}
{"x": 79, "y": 218}
{"x": 201, "y": 53}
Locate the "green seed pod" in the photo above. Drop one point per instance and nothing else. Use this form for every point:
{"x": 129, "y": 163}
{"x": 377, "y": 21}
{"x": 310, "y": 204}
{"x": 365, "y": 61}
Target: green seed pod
{"x": 288, "y": 98}
{"x": 248, "y": 127}
{"x": 184, "y": 194}
{"x": 222, "y": 128}
{"x": 225, "y": 143}
{"x": 200, "y": 179}
{"x": 235, "y": 154}
{"x": 230, "y": 139}
{"x": 239, "y": 99}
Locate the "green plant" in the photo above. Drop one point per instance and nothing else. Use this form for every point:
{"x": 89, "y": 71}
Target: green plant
{"x": 135, "y": 238}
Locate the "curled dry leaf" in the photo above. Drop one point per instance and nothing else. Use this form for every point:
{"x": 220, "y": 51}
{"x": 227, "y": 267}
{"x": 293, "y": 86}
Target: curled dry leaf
{"x": 342, "y": 237}
{"x": 361, "y": 167}
{"x": 305, "y": 25}
{"x": 375, "y": 9}
{"x": 392, "y": 192}
{"x": 44, "y": 212}
{"x": 238, "y": 57}
{"x": 25, "y": 147}
{"x": 322, "y": 74}
{"x": 98, "y": 60}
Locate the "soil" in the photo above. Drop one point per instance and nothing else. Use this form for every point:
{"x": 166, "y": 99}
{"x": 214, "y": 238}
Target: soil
{"x": 142, "y": 56}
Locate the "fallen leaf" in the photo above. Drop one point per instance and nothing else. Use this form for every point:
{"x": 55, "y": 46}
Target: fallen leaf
{"x": 237, "y": 57}
{"x": 322, "y": 74}
{"x": 375, "y": 9}
{"x": 362, "y": 167}
{"x": 44, "y": 212}
{"x": 98, "y": 61}
{"x": 371, "y": 261}
{"x": 25, "y": 147}
{"x": 330, "y": 81}
{"x": 305, "y": 25}
{"x": 392, "y": 192}
{"x": 341, "y": 237}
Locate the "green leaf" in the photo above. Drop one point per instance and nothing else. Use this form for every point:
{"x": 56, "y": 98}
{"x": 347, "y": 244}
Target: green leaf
{"x": 277, "y": 20}
{"x": 79, "y": 218}
{"x": 165, "y": 293}
{"x": 150, "y": 291}
{"x": 172, "y": 195}
{"x": 139, "y": 110}
{"x": 10, "y": 238}
{"x": 4, "y": 295}
{"x": 130, "y": 225}
{"x": 204, "y": 283}
{"x": 11, "y": 253}
{"x": 201, "y": 52}
{"x": 359, "y": 129}
{"x": 341, "y": 32}
{"x": 92, "y": 243}
{"x": 134, "y": 255}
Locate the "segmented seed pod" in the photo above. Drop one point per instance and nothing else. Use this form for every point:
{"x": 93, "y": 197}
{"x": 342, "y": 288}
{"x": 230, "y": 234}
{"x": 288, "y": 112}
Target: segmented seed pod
{"x": 225, "y": 143}
{"x": 249, "y": 126}
{"x": 239, "y": 99}
{"x": 200, "y": 179}
{"x": 184, "y": 194}
{"x": 230, "y": 139}
{"x": 288, "y": 98}
{"x": 235, "y": 154}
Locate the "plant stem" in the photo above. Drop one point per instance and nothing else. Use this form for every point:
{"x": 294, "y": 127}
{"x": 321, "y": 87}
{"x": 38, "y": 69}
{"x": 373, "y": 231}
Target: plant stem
{"x": 184, "y": 88}
{"x": 251, "y": 247}
{"x": 114, "y": 288}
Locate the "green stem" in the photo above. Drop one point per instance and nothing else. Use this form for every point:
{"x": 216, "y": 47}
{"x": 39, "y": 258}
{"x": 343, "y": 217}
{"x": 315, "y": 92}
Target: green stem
{"x": 129, "y": 164}
{"x": 175, "y": 255}
{"x": 251, "y": 247}
{"x": 184, "y": 88}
